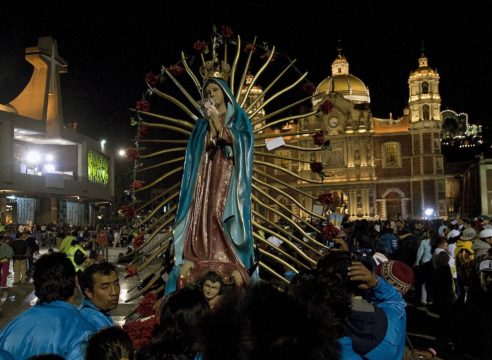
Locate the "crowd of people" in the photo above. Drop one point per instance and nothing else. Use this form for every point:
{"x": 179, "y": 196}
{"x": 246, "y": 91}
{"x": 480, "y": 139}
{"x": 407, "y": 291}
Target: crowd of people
{"x": 352, "y": 305}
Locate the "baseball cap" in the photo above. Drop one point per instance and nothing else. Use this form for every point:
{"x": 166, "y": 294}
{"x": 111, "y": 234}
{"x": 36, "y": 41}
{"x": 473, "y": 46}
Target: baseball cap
{"x": 485, "y": 265}
{"x": 485, "y": 233}
{"x": 468, "y": 234}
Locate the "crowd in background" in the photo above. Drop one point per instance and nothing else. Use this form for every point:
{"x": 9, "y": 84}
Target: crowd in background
{"x": 352, "y": 305}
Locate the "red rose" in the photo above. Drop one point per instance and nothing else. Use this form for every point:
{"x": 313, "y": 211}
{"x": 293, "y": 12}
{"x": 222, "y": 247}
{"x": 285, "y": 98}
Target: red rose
{"x": 319, "y": 138}
{"x": 132, "y": 154}
{"x": 151, "y": 79}
{"x": 250, "y": 48}
{"x": 140, "y": 331}
{"x": 146, "y": 305}
{"x": 226, "y": 31}
{"x": 316, "y": 167}
{"x": 176, "y": 70}
{"x": 326, "y": 106}
{"x": 142, "y": 105}
{"x": 131, "y": 270}
{"x": 127, "y": 211}
{"x": 330, "y": 231}
{"x": 200, "y": 46}
{"x": 309, "y": 88}
{"x": 138, "y": 241}
{"x": 143, "y": 131}
{"x": 137, "y": 184}
{"x": 266, "y": 55}
{"x": 326, "y": 199}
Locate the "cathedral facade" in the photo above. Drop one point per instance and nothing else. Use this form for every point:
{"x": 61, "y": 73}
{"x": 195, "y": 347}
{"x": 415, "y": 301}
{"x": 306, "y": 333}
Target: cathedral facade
{"x": 373, "y": 167}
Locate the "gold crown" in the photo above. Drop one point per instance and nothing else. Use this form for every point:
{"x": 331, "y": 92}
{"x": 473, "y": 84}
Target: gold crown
{"x": 215, "y": 68}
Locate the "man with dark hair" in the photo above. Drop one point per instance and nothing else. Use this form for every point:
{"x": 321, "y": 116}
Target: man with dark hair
{"x": 101, "y": 288}
{"x": 53, "y": 325}
{"x": 325, "y": 293}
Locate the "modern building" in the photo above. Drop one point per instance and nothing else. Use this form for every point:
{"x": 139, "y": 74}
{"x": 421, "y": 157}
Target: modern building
{"x": 49, "y": 173}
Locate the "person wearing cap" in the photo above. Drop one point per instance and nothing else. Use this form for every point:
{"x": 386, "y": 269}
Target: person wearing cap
{"x": 465, "y": 241}
{"x": 464, "y": 256}
{"x": 483, "y": 244}
{"x": 396, "y": 273}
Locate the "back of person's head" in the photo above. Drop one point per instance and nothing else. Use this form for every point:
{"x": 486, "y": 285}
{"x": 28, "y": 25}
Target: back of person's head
{"x": 176, "y": 335}
{"x": 86, "y": 279}
{"x": 181, "y": 312}
{"x": 337, "y": 262}
{"x": 111, "y": 343}
{"x": 266, "y": 324}
{"x": 54, "y": 278}
{"x": 324, "y": 293}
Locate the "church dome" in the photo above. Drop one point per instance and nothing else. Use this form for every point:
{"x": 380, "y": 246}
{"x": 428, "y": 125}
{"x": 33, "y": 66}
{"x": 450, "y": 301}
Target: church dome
{"x": 342, "y": 82}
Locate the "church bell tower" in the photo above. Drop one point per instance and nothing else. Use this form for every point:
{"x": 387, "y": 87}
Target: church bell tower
{"x": 428, "y": 183}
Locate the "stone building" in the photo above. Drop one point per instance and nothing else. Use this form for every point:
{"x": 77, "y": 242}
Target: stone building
{"x": 374, "y": 167}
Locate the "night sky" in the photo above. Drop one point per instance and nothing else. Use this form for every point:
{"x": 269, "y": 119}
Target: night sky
{"x": 110, "y": 46}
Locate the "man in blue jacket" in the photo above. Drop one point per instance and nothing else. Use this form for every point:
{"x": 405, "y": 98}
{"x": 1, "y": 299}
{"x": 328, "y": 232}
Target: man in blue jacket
{"x": 100, "y": 285}
{"x": 53, "y": 325}
{"x": 377, "y": 323}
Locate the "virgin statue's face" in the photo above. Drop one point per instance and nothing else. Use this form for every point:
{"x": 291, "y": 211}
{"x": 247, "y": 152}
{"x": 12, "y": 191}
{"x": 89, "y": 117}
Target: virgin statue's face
{"x": 214, "y": 92}
{"x": 211, "y": 289}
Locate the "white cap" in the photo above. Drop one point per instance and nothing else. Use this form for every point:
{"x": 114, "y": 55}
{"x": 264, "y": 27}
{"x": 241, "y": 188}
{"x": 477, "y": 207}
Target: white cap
{"x": 485, "y": 233}
{"x": 379, "y": 258}
{"x": 485, "y": 265}
{"x": 453, "y": 233}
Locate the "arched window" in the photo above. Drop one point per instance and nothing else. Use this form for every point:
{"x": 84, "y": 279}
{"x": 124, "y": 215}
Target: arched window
{"x": 425, "y": 87}
{"x": 425, "y": 112}
{"x": 391, "y": 155}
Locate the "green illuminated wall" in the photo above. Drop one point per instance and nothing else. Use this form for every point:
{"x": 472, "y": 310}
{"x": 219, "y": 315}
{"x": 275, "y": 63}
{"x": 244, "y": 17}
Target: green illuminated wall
{"x": 97, "y": 168}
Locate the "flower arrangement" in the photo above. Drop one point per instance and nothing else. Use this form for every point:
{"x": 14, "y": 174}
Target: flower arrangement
{"x": 326, "y": 106}
{"x": 326, "y": 199}
{"x": 143, "y": 131}
{"x": 317, "y": 168}
{"x": 142, "y": 105}
{"x": 330, "y": 231}
{"x": 132, "y": 154}
{"x": 319, "y": 138}
{"x": 141, "y": 331}
{"x": 226, "y": 31}
{"x": 131, "y": 270}
{"x": 127, "y": 211}
{"x": 151, "y": 79}
{"x": 308, "y": 88}
{"x": 146, "y": 307}
{"x": 200, "y": 47}
{"x": 250, "y": 47}
{"x": 176, "y": 70}
{"x": 137, "y": 184}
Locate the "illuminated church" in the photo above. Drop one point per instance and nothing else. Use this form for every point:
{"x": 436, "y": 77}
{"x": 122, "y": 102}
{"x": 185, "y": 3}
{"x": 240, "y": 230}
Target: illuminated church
{"x": 375, "y": 167}
{"x": 49, "y": 172}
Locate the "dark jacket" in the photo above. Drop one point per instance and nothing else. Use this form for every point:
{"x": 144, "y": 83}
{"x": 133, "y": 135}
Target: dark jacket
{"x": 20, "y": 249}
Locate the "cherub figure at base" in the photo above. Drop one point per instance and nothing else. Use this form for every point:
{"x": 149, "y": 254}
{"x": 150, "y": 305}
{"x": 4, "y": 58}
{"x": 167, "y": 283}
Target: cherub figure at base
{"x": 212, "y": 286}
